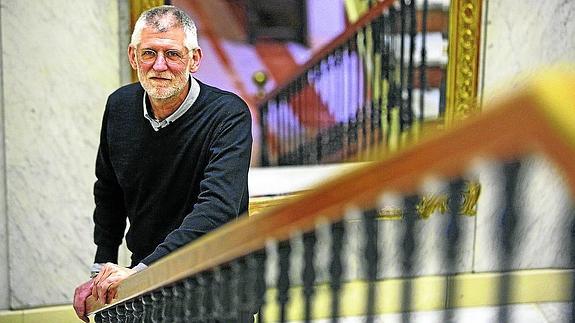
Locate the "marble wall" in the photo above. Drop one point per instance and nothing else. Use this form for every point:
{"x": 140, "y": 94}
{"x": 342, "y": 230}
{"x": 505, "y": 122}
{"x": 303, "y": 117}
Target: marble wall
{"x": 4, "y": 281}
{"x": 60, "y": 61}
{"x": 521, "y": 37}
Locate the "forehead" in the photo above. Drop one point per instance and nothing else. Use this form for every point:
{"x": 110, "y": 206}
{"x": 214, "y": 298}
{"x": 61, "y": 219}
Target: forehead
{"x": 152, "y": 37}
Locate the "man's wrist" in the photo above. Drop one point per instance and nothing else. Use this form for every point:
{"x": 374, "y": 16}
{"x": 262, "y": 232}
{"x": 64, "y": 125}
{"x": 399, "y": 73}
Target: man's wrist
{"x": 95, "y": 269}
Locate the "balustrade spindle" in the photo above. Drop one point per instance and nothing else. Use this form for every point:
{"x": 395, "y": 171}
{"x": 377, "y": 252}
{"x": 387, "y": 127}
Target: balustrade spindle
{"x": 277, "y": 137}
{"x": 336, "y": 267}
{"x": 98, "y": 317}
{"x": 202, "y": 298}
{"x": 260, "y": 258}
{"x": 265, "y": 145}
{"x": 377, "y": 41}
{"x": 295, "y": 121}
{"x": 422, "y": 64}
{"x": 284, "y": 131}
{"x": 138, "y": 307}
{"x": 394, "y": 89}
{"x": 371, "y": 254}
{"x": 250, "y": 272}
{"x": 317, "y": 116}
{"x": 300, "y": 139}
{"x": 309, "y": 241}
{"x": 191, "y": 307}
{"x": 157, "y": 306}
{"x": 349, "y": 102}
{"x": 507, "y": 236}
{"x": 283, "y": 283}
{"x": 216, "y": 292}
{"x": 226, "y": 297}
{"x": 331, "y": 100}
{"x": 455, "y": 200}
{"x": 287, "y": 122}
{"x": 236, "y": 289}
{"x": 385, "y": 76}
{"x": 367, "y": 79}
{"x": 289, "y": 113}
{"x": 167, "y": 303}
{"x": 129, "y": 311}
{"x": 178, "y": 307}
{"x": 102, "y": 317}
{"x": 148, "y": 305}
{"x": 120, "y": 312}
{"x": 358, "y": 97}
{"x": 408, "y": 118}
{"x": 402, "y": 74}
{"x": 408, "y": 248}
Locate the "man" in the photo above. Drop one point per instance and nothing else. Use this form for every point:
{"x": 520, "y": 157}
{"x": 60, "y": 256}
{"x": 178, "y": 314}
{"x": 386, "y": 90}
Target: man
{"x": 173, "y": 157}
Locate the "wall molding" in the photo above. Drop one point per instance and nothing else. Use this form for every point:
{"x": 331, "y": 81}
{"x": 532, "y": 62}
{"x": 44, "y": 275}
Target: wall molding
{"x": 463, "y": 62}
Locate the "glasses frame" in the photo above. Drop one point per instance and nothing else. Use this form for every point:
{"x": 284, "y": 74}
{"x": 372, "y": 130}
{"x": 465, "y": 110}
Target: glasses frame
{"x": 172, "y": 57}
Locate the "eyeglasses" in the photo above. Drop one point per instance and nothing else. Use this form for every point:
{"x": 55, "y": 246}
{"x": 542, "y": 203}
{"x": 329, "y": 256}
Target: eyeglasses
{"x": 172, "y": 56}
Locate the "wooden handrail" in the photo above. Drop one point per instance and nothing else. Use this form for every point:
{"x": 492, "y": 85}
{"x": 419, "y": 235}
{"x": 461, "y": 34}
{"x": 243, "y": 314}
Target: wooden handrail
{"x": 349, "y": 32}
{"x": 539, "y": 118}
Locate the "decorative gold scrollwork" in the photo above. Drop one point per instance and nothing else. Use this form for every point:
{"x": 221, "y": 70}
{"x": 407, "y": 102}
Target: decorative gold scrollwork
{"x": 438, "y": 203}
{"x": 389, "y": 213}
{"x": 470, "y": 198}
{"x": 429, "y": 204}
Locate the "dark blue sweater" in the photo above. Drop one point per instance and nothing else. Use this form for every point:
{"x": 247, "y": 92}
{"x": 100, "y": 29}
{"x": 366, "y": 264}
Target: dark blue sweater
{"x": 175, "y": 184}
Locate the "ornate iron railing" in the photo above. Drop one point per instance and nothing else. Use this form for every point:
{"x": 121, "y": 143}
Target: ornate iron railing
{"x": 355, "y": 93}
{"x": 331, "y": 253}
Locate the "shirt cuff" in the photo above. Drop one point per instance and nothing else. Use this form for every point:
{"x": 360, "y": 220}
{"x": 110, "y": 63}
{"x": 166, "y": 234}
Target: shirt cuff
{"x": 95, "y": 269}
{"x": 139, "y": 267}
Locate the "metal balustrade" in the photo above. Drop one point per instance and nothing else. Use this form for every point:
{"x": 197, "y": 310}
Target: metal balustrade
{"x": 335, "y": 253}
{"x": 356, "y": 93}
{"x": 234, "y": 293}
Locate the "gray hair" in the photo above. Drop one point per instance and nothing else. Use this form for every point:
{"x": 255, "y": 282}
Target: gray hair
{"x": 155, "y": 18}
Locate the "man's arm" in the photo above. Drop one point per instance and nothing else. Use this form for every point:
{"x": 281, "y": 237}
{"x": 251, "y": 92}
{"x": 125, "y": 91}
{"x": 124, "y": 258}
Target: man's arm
{"x": 109, "y": 213}
{"x": 223, "y": 190}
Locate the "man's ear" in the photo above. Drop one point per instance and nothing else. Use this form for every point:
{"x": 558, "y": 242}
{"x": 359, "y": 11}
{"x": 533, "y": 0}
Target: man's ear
{"x": 132, "y": 57}
{"x": 196, "y": 57}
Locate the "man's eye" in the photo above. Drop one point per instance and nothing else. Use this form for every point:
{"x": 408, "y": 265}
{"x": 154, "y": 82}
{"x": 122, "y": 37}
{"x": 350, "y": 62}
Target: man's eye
{"x": 172, "y": 54}
{"x": 148, "y": 53}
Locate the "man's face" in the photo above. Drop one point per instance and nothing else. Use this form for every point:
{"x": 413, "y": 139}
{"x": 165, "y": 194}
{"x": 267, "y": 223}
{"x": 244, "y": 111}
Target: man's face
{"x": 163, "y": 63}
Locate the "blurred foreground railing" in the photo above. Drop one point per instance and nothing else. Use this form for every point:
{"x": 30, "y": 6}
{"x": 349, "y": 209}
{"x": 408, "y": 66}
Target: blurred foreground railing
{"x": 336, "y": 252}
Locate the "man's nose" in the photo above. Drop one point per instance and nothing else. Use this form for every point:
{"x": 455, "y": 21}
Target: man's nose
{"x": 160, "y": 64}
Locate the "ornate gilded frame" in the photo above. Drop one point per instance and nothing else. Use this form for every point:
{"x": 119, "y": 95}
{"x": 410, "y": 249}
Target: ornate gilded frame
{"x": 136, "y": 9}
{"x": 463, "y": 60}
{"x": 139, "y": 6}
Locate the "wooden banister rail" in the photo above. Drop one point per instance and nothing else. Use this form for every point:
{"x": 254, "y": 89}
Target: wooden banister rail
{"x": 539, "y": 118}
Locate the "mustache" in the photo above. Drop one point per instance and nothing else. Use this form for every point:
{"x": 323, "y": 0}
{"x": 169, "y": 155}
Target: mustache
{"x": 168, "y": 76}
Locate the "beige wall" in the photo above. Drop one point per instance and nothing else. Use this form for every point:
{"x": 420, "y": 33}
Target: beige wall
{"x": 4, "y": 282}
{"x": 60, "y": 60}
{"x": 522, "y": 37}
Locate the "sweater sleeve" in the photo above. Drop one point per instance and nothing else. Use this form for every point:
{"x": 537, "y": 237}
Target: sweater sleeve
{"x": 223, "y": 189}
{"x": 109, "y": 213}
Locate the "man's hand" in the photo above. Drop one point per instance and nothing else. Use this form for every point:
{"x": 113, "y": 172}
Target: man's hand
{"x": 105, "y": 285}
{"x": 80, "y": 294}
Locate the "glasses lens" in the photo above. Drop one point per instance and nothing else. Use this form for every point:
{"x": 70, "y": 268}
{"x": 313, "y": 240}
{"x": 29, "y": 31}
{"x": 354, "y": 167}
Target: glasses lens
{"x": 149, "y": 56}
